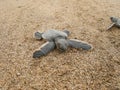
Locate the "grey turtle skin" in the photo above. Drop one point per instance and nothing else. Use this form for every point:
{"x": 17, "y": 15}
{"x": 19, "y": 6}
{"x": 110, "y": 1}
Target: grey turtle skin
{"x": 57, "y": 39}
{"x": 50, "y": 36}
{"x": 115, "y": 22}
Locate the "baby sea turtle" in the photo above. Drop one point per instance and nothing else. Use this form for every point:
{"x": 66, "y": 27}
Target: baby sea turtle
{"x": 115, "y": 22}
{"x": 57, "y": 39}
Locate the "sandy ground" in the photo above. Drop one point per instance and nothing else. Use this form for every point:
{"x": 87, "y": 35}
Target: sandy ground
{"x": 87, "y": 20}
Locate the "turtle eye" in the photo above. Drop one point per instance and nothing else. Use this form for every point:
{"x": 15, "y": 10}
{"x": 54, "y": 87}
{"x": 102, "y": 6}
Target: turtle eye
{"x": 111, "y": 18}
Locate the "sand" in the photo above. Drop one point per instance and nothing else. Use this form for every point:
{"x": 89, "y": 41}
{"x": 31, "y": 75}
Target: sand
{"x": 87, "y": 20}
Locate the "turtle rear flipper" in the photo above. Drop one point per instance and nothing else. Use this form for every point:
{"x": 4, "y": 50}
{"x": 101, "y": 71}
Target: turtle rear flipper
{"x": 38, "y": 35}
{"x": 67, "y": 32}
{"x": 44, "y": 49}
{"x": 79, "y": 44}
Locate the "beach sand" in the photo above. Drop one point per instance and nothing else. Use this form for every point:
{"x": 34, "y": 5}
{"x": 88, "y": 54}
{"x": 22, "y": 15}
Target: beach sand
{"x": 87, "y": 20}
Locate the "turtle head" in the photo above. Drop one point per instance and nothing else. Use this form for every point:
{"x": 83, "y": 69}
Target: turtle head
{"x": 114, "y": 19}
{"x": 61, "y": 44}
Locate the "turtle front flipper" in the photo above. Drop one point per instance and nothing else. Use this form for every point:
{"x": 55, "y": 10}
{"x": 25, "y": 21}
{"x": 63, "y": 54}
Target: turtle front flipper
{"x": 79, "y": 44}
{"x": 44, "y": 49}
{"x": 113, "y": 24}
{"x": 38, "y": 35}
